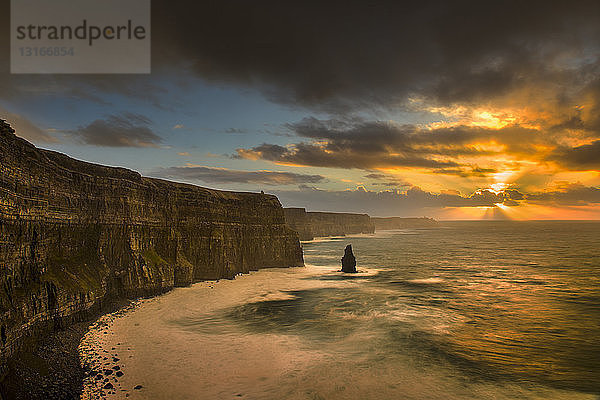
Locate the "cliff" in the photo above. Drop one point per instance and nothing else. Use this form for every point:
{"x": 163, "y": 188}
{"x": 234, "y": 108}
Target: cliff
{"x": 75, "y": 235}
{"x": 382, "y": 224}
{"x": 314, "y": 224}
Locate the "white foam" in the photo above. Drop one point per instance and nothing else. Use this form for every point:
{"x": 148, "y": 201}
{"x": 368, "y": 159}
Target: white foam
{"x": 426, "y": 281}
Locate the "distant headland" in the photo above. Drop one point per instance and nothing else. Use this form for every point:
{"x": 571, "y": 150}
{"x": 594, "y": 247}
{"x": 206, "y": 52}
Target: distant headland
{"x": 311, "y": 224}
{"x": 79, "y": 237}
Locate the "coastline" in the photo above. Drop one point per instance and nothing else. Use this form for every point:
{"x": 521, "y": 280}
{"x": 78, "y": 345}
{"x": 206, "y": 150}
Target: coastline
{"x": 191, "y": 331}
{"x": 56, "y": 370}
{"x": 103, "y": 353}
{"x": 228, "y": 339}
{"x": 79, "y": 237}
{"x": 90, "y": 356}
{"x": 53, "y": 369}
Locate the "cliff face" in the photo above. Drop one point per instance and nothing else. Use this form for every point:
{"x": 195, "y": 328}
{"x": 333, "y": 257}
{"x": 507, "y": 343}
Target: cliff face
{"x": 297, "y": 219}
{"x": 313, "y": 224}
{"x": 382, "y": 224}
{"x": 74, "y": 235}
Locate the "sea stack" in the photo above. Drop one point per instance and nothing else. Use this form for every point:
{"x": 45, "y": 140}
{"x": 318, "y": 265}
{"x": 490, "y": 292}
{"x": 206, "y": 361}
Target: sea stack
{"x": 348, "y": 261}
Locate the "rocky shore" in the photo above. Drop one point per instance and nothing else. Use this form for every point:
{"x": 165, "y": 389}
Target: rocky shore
{"x": 103, "y": 368}
{"x": 76, "y": 238}
{"x": 53, "y": 370}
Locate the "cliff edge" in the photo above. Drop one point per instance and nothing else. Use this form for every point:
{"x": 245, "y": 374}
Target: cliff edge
{"x": 316, "y": 224}
{"x": 74, "y": 235}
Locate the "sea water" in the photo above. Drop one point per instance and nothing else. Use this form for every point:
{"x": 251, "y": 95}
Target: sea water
{"x": 466, "y": 310}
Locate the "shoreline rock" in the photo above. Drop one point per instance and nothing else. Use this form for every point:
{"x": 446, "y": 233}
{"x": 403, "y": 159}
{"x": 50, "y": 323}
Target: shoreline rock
{"x": 53, "y": 369}
{"x": 79, "y": 236}
{"x": 348, "y": 261}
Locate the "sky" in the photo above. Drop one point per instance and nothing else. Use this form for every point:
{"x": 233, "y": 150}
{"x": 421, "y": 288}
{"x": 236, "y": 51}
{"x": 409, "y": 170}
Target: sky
{"x": 447, "y": 109}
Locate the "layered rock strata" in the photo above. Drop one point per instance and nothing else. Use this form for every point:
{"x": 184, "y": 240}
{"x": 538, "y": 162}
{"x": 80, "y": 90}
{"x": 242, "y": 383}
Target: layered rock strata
{"x": 316, "y": 224}
{"x": 74, "y": 235}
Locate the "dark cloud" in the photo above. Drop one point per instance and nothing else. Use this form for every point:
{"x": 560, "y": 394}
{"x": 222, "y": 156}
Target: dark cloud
{"x": 353, "y": 55}
{"x": 466, "y": 172}
{"x": 223, "y": 175}
{"x": 570, "y": 194}
{"x": 363, "y": 144}
{"x": 416, "y": 201}
{"x": 235, "y": 130}
{"x": 125, "y": 130}
{"x": 377, "y": 176}
{"x": 387, "y": 180}
{"x": 320, "y": 156}
{"x": 389, "y": 202}
{"x": 356, "y": 58}
{"x": 585, "y": 157}
{"x": 513, "y": 194}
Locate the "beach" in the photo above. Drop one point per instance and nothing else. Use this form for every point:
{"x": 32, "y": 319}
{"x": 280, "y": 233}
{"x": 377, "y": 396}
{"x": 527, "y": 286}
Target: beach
{"x": 449, "y": 325}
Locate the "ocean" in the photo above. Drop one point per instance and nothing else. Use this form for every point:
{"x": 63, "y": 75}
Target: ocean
{"x": 466, "y": 310}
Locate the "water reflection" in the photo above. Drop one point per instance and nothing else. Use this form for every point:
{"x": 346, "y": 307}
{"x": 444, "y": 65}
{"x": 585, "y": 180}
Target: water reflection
{"x": 515, "y": 301}
{"x": 482, "y": 310}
